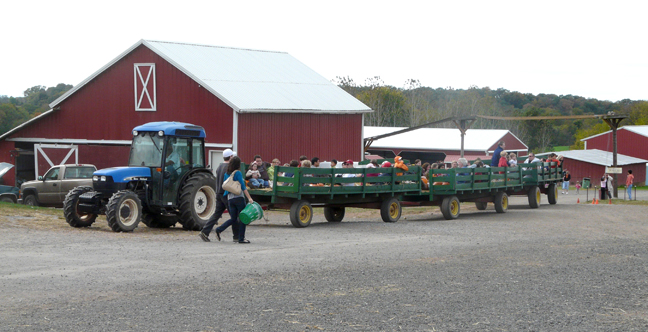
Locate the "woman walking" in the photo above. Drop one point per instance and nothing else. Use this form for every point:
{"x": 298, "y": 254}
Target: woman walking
{"x": 235, "y": 203}
{"x": 565, "y": 184}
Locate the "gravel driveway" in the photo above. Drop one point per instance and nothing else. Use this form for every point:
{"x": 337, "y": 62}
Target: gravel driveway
{"x": 564, "y": 267}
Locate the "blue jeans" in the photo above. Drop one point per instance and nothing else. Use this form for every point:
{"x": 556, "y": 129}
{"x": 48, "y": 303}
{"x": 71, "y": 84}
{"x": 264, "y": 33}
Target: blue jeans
{"x": 256, "y": 183}
{"x": 235, "y": 206}
{"x": 565, "y": 185}
{"x": 630, "y": 192}
{"x": 221, "y": 206}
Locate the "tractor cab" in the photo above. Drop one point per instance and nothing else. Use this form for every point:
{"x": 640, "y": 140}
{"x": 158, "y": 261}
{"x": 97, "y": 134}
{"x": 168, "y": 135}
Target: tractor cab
{"x": 171, "y": 150}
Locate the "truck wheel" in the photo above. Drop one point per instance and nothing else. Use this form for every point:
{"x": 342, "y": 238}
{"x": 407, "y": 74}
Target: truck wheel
{"x": 301, "y": 214}
{"x": 159, "y": 221}
{"x": 197, "y": 201}
{"x": 501, "y": 202}
{"x": 70, "y": 209}
{"x": 534, "y": 197}
{"x": 552, "y": 193}
{"x": 124, "y": 211}
{"x": 334, "y": 214}
{"x": 30, "y": 200}
{"x": 390, "y": 210}
{"x": 6, "y": 199}
{"x": 481, "y": 205}
{"x": 450, "y": 207}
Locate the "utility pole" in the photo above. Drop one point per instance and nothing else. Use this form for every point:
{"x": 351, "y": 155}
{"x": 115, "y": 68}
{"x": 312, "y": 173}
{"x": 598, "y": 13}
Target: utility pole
{"x": 613, "y": 121}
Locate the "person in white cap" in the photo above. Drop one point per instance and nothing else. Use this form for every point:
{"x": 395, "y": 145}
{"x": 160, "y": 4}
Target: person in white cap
{"x": 221, "y": 201}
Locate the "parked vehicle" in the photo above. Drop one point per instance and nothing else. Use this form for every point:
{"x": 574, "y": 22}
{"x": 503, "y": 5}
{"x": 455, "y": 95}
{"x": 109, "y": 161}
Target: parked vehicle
{"x": 50, "y": 189}
{"x": 8, "y": 194}
{"x": 167, "y": 181}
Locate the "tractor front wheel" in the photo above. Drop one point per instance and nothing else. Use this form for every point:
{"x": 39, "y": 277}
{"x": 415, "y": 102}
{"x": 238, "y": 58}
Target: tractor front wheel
{"x": 70, "y": 209}
{"x": 124, "y": 211}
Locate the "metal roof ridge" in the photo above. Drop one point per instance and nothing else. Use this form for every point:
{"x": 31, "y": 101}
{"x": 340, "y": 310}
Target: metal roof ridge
{"x": 214, "y": 46}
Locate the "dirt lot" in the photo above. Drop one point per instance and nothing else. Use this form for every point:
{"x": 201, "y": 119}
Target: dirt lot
{"x": 566, "y": 267}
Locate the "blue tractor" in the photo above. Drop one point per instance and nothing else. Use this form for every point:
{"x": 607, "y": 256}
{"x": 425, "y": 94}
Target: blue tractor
{"x": 166, "y": 182}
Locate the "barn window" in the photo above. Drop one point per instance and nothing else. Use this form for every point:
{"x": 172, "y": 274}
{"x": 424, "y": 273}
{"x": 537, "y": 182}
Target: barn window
{"x": 145, "y": 92}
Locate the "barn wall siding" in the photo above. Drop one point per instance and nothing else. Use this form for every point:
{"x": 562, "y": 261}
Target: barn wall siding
{"x": 289, "y": 135}
{"x": 105, "y": 107}
{"x": 628, "y": 143}
{"x": 580, "y": 169}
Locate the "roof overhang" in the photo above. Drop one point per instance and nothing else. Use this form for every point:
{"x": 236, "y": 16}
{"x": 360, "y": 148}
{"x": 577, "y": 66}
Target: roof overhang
{"x": 24, "y": 124}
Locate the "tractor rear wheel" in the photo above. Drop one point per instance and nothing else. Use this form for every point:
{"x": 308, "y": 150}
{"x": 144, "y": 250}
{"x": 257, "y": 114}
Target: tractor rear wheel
{"x": 70, "y": 209}
{"x": 197, "y": 201}
{"x": 124, "y": 211}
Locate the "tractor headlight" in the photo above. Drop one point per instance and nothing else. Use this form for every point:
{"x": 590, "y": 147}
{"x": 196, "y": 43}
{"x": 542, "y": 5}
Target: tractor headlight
{"x": 103, "y": 178}
{"x": 160, "y": 133}
{"x": 95, "y": 178}
{"x": 134, "y": 132}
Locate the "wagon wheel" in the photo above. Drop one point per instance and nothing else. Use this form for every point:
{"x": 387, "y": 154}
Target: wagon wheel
{"x": 450, "y": 207}
{"x": 390, "y": 210}
{"x": 534, "y": 197}
{"x": 301, "y": 214}
{"x": 481, "y": 205}
{"x": 334, "y": 214}
{"x": 501, "y": 202}
{"x": 552, "y": 193}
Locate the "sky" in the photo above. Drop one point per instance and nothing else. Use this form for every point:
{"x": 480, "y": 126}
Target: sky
{"x": 593, "y": 49}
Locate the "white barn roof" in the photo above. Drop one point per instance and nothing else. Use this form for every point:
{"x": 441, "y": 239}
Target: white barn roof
{"x": 641, "y": 130}
{"x": 597, "y": 157}
{"x": 436, "y": 138}
{"x": 250, "y": 80}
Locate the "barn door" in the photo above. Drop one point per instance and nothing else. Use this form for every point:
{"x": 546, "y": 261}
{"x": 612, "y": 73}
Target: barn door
{"x": 49, "y": 155}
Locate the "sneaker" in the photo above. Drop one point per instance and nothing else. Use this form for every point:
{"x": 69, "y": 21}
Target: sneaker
{"x": 235, "y": 240}
{"x": 244, "y": 241}
{"x": 562, "y": 192}
{"x": 204, "y": 237}
{"x": 218, "y": 236}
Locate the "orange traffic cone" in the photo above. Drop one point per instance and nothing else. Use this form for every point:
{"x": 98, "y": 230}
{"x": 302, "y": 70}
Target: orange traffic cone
{"x": 578, "y": 201}
{"x": 596, "y": 201}
{"x": 593, "y": 200}
{"x": 610, "y": 201}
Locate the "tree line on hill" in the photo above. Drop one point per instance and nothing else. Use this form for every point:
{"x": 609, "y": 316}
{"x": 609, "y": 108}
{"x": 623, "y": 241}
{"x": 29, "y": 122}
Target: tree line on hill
{"x": 414, "y": 105}
{"x": 16, "y": 110}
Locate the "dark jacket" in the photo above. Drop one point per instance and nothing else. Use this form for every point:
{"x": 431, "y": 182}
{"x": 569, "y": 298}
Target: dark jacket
{"x": 263, "y": 170}
{"x": 220, "y": 174}
{"x": 496, "y": 156}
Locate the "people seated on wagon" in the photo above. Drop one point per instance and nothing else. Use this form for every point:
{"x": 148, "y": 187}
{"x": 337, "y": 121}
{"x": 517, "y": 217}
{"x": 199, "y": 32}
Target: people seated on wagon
{"x": 512, "y": 159}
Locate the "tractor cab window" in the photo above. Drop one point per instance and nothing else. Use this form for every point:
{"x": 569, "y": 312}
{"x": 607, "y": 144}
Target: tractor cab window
{"x": 197, "y": 154}
{"x": 146, "y": 150}
{"x": 53, "y": 174}
{"x": 177, "y": 162}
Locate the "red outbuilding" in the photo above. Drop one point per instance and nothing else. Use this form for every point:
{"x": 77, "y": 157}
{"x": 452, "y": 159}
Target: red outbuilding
{"x": 436, "y": 144}
{"x": 631, "y": 141}
{"x": 591, "y": 164}
{"x": 255, "y": 102}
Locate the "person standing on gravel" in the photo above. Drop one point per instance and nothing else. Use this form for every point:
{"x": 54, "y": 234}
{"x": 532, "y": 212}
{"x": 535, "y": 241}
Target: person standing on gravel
{"x": 629, "y": 181}
{"x": 221, "y": 200}
{"x": 565, "y": 184}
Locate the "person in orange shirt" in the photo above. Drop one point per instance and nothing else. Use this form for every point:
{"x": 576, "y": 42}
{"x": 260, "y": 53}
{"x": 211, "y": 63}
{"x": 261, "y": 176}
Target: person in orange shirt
{"x": 398, "y": 163}
{"x": 629, "y": 180}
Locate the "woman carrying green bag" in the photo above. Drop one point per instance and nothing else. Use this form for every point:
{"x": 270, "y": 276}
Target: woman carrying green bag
{"x": 235, "y": 202}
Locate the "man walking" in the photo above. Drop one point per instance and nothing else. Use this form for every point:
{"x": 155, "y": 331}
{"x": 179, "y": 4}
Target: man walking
{"x": 221, "y": 200}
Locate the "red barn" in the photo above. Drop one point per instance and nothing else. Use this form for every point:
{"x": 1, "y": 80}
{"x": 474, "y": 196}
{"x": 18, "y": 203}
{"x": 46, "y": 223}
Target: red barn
{"x": 631, "y": 141}
{"x": 591, "y": 164}
{"x": 255, "y": 102}
{"x": 435, "y": 144}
